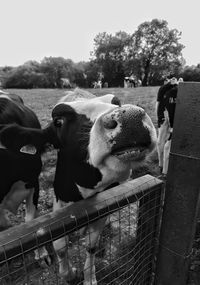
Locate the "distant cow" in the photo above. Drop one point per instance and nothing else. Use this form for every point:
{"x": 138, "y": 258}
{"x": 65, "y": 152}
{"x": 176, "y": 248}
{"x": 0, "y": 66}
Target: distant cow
{"x": 65, "y": 83}
{"x": 129, "y": 82}
{"x": 139, "y": 83}
{"x": 99, "y": 142}
{"x": 98, "y": 84}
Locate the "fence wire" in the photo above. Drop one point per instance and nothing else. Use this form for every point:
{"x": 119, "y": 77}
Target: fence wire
{"x": 127, "y": 248}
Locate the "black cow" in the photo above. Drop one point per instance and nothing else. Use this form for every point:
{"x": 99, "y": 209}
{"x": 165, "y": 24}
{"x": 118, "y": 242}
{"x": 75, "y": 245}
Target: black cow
{"x": 19, "y": 170}
{"x": 99, "y": 142}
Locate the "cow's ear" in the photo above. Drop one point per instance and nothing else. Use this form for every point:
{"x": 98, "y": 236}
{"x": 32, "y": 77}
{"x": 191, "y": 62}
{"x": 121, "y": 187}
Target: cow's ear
{"x": 16, "y": 137}
{"x": 61, "y": 113}
{"x": 116, "y": 101}
{"x": 13, "y": 136}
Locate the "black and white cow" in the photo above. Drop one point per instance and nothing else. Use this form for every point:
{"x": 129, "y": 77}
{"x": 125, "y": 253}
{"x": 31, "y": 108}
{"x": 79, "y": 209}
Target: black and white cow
{"x": 98, "y": 84}
{"x": 129, "y": 81}
{"x": 165, "y": 113}
{"x": 65, "y": 83}
{"x": 99, "y": 142}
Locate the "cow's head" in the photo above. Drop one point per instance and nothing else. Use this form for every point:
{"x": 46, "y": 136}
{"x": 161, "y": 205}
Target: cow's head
{"x": 94, "y": 130}
{"x": 99, "y": 140}
{"x": 101, "y": 134}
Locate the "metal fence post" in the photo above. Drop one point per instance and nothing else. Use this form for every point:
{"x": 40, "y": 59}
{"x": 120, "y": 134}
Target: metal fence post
{"x": 182, "y": 190}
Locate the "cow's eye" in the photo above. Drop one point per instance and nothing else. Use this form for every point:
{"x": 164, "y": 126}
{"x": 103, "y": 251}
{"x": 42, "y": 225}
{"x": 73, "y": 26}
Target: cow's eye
{"x": 58, "y": 122}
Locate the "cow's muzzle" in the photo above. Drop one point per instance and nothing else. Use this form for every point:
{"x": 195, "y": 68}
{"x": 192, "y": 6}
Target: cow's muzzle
{"x": 129, "y": 132}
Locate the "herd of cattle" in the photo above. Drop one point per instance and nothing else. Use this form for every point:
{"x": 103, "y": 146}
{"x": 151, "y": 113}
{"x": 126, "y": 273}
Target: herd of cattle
{"x": 129, "y": 82}
{"x": 98, "y": 141}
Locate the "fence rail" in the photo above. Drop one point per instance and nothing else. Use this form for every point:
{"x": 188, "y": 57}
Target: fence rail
{"x": 135, "y": 206}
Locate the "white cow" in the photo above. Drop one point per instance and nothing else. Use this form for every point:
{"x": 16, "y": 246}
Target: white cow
{"x": 98, "y": 84}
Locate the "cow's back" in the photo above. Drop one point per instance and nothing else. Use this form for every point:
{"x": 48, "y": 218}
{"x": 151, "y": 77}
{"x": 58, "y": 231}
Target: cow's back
{"x": 76, "y": 95}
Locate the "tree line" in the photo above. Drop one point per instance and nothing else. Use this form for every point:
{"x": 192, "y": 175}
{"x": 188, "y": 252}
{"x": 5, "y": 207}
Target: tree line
{"x": 151, "y": 53}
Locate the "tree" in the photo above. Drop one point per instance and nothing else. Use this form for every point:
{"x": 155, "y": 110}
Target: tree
{"x": 46, "y": 74}
{"x": 56, "y": 68}
{"x": 80, "y": 76}
{"x": 25, "y": 76}
{"x": 191, "y": 73}
{"x": 91, "y": 70}
{"x": 110, "y": 53}
{"x": 156, "y": 50}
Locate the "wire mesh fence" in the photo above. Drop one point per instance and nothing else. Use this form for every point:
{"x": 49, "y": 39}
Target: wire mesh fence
{"x": 126, "y": 251}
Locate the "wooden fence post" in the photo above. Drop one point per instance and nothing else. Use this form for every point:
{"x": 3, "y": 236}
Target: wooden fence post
{"x": 182, "y": 190}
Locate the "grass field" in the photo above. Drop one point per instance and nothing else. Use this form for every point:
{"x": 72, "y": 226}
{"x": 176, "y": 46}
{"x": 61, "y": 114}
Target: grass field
{"x": 42, "y": 100}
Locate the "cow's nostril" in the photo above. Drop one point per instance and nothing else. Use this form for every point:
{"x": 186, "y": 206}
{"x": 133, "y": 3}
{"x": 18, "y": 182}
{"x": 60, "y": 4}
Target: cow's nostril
{"x": 110, "y": 124}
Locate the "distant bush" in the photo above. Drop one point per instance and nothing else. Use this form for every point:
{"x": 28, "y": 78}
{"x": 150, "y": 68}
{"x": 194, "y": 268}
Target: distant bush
{"x": 191, "y": 73}
{"x": 24, "y": 78}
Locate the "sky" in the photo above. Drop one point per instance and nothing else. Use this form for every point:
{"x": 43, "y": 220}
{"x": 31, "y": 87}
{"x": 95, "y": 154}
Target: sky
{"x": 34, "y": 29}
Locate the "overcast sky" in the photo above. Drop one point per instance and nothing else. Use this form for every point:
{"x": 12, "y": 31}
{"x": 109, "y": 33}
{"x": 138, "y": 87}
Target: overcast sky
{"x": 33, "y": 29}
